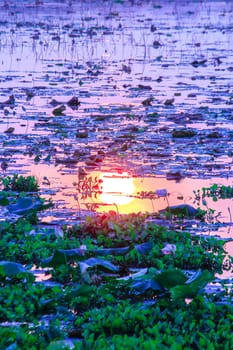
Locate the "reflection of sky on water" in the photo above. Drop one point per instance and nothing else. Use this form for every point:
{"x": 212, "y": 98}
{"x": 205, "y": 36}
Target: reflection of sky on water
{"x": 32, "y": 55}
{"x": 101, "y": 39}
{"x": 178, "y": 193}
{"x": 122, "y": 192}
{"x": 59, "y": 50}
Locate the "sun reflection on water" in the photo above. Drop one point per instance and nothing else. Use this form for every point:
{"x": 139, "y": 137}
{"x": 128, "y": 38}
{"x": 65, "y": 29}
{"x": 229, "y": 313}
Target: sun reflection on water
{"x": 117, "y": 189}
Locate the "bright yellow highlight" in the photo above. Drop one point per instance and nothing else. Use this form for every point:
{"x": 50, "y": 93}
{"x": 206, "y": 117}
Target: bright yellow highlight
{"x": 117, "y": 189}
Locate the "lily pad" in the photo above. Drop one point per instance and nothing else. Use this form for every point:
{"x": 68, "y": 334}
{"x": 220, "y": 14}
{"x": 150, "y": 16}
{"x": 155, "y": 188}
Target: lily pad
{"x": 180, "y": 133}
{"x": 141, "y": 286}
{"x": 110, "y": 251}
{"x": 132, "y": 276}
{"x": 62, "y": 256}
{"x": 182, "y": 209}
{"x": 171, "y": 278}
{"x": 25, "y": 205}
{"x": 13, "y": 269}
{"x": 103, "y": 264}
{"x": 193, "y": 286}
{"x": 144, "y": 248}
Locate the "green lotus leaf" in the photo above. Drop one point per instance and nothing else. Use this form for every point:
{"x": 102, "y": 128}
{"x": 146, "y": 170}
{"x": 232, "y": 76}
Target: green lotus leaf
{"x": 12, "y": 269}
{"x": 144, "y": 248}
{"x": 142, "y": 285}
{"x": 171, "y": 278}
{"x": 24, "y": 205}
{"x": 193, "y": 286}
{"x": 182, "y": 209}
{"x": 110, "y": 251}
{"x": 135, "y": 275}
{"x": 104, "y": 264}
{"x": 62, "y": 256}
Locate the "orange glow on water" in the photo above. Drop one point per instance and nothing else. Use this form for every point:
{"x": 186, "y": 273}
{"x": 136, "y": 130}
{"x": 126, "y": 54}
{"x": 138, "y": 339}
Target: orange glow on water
{"x": 117, "y": 189}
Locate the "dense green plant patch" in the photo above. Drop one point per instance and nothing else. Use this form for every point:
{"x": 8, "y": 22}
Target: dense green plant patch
{"x": 201, "y": 324}
{"x": 19, "y": 183}
{"x": 215, "y": 191}
{"x": 114, "y": 282}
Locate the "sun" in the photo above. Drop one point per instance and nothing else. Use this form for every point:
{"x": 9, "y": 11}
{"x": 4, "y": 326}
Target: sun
{"x": 117, "y": 188}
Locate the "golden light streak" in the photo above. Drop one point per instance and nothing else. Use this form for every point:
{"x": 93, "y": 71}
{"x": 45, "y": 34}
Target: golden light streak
{"x": 117, "y": 189}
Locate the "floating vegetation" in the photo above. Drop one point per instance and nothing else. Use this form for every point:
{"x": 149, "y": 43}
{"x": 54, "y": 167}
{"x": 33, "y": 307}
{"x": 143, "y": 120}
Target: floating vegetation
{"x": 111, "y": 262}
{"x": 19, "y": 183}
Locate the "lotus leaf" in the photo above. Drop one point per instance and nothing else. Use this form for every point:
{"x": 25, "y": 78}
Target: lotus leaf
{"x": 171, "y": 278}
{"x": 104, "y": 264}
{"x": 25, "y": 205}
{"x": 140, "y": 273}
{"x": 193, "y": 286}
{"x": 182, "y": 209}
{"x": 144, "y": 248}
{"x": 141, "y": 286}
{"x": 62, "y": 256}
{"x": 110, "y": 251}
{"x": 12, "y": 269}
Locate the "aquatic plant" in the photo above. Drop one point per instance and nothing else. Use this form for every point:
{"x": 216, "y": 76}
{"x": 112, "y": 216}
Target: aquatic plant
{"x": 110, "y": 271}
{"x": 19, "y": 183}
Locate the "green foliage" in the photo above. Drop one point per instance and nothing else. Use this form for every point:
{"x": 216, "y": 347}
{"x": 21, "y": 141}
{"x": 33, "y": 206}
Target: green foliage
{"x": 157, "y": 327}
{"x": 193, "y": 286}
{"x": 217, "y": 192}
{"x": 112, "y": 284}
{"x": 182, "y": 210}
{"x": 21, "y": 204}
{"x": 20, "y": 183}
{"x": 26, "y": 337}
{"x": 120, "y": 226}
{"x": 27, "y": 205}
{"x": 12, "y": 270}
{"x": 171, "y": 278}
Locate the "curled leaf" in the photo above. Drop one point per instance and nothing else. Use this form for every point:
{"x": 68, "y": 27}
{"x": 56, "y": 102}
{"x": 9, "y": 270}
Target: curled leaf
{"x": 101, "y": 263}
